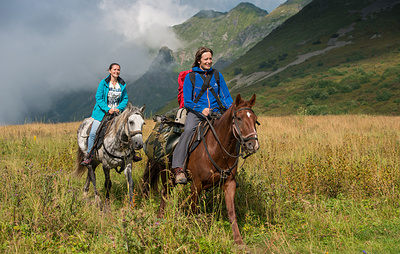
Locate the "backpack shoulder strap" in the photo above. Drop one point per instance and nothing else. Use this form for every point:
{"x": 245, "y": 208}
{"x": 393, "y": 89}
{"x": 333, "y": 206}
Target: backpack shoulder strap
{"x": 216, "y": 76}
{"x": 205, "y": 85}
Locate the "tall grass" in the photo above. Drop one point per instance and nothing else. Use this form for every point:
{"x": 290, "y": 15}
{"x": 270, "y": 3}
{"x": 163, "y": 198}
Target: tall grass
{"x": 319, "y": 184}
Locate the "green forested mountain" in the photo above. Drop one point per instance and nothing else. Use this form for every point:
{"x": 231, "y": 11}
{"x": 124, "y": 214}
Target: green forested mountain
{"x": 333, "y": 57}
{"x": 230, "y": 35}
{"x": 319, "y": 57}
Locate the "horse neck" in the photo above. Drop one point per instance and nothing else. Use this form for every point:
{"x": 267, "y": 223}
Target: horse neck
{"x": 117, "y": 132}
{"x": 224, "y": 131}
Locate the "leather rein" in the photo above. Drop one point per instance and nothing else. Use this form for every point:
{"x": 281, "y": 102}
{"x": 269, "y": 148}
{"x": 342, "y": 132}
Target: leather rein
{"x": 224, "y": 173}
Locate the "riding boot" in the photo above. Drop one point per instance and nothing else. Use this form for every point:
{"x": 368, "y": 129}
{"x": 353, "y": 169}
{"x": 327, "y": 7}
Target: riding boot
{"x": 87, "y": 159}
{"x": 180, "y": 177}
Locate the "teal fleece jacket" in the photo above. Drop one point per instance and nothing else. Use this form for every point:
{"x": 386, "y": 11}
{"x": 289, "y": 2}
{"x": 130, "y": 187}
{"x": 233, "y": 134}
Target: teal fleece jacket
{"x": 101, "y": 107}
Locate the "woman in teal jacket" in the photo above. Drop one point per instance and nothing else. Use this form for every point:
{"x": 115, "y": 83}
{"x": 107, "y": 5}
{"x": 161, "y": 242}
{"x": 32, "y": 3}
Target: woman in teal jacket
{"x": 111, "y": 97}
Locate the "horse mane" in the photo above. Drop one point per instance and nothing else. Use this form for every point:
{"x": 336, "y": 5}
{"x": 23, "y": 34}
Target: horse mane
{"x": 237, "y": 104}
{"x": 120, "y": 119}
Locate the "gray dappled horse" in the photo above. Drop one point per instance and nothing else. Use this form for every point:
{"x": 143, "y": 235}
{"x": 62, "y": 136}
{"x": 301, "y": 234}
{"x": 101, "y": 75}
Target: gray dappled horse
{"x": 122, "y": 138}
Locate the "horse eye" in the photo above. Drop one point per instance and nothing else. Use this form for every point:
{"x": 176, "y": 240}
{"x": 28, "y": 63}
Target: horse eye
{"x": 239, "y": 119}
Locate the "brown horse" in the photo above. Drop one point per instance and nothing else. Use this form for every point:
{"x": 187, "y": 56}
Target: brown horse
{"x": 214, "y": 161}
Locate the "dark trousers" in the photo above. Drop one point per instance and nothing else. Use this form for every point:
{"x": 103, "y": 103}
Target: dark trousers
{"x": 181, "y": 149}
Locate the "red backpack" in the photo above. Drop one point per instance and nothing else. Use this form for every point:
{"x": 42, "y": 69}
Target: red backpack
{"x": 181, "y": 80}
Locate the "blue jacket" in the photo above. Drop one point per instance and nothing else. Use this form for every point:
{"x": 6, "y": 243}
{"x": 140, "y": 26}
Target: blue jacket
{"x": 207, "y": 100}
{"x": 101, "y": 107}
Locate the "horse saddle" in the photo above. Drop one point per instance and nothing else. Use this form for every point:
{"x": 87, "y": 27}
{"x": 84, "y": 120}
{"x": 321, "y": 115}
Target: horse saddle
{"x": 200, "y": 131}
{"x": 102, "y": 130}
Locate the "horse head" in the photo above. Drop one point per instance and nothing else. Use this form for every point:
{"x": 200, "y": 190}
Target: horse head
{"x": 133, "y": 121}
{"x": 244, "y": 123}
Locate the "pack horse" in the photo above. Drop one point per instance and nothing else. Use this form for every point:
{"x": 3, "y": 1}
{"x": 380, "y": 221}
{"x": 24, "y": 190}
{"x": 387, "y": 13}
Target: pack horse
{"x": 214, "y": 161}
{"x": 122, "y": 137}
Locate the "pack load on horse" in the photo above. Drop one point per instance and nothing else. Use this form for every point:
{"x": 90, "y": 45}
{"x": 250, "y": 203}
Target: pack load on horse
{"x": 167, "y": 130}
{"x": 219, "y": 146}
{"x": 119, "y": 138}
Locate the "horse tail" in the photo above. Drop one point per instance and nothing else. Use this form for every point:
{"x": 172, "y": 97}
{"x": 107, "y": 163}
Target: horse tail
{"x": 150, "y": 177}
{"x": 79, "y": 169}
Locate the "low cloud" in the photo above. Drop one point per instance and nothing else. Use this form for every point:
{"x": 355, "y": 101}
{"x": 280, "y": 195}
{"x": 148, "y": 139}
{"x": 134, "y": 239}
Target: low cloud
{"x": 53, "y": 47}
{"x": 50, "y": 48}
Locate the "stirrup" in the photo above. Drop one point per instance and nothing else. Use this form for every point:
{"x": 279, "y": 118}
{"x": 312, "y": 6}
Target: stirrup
{"x": 137, "y": 158}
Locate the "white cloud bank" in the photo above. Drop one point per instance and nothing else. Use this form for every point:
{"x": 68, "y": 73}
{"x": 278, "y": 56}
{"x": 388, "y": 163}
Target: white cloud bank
{"x": 52, "y": 47}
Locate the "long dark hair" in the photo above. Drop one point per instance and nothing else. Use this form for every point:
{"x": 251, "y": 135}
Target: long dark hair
{"x": 200, "y": 52}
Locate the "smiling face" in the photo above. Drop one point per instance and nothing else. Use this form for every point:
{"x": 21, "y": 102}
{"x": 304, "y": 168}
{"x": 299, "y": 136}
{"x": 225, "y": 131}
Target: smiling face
{"x": 115, "y": 70}
{"x": 205, "y": 61}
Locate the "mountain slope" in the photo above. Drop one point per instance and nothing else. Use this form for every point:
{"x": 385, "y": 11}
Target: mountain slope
{"x": 332, "y": 57}
{"x": 158, "y": 85}
{"x": 230, "y": 34}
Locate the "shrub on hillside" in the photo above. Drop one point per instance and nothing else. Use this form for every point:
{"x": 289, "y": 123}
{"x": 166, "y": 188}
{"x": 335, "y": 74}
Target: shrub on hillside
{"x": 237, "y": 70}
{"x": 384, "y": 95}
{"x": 318, "y": 110}
{"x": 335, "y": 72}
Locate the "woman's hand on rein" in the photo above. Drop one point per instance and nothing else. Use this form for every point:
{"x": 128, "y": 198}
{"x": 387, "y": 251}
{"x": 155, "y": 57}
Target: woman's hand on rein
{"x": 113, "y": 110}
{"x": 205, "y": 111}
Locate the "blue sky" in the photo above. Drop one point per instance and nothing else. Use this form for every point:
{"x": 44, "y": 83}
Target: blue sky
{"x": 53, "y": 47}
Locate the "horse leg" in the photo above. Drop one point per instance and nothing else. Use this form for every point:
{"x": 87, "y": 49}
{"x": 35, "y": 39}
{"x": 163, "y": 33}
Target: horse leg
{"x": 92, "y": 176}
{"x": 230, "y": 190}
{"x": 107, "y": 181}
{"x": 196, "y": 189}
{"x": 164, "y": 192}
{"x": 86, "y": 186}
{"x": 128, "y": 175}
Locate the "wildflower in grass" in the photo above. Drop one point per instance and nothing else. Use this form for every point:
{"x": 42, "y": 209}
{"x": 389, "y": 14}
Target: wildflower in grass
{"x": 34, "y": 138}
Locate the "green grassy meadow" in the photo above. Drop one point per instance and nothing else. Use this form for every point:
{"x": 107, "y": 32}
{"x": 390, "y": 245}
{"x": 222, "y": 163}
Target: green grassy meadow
{"x": 319, "y": 184}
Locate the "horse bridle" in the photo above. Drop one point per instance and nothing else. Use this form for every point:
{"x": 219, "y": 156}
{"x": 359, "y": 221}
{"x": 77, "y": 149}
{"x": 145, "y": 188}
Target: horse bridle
{"x": 130, "y": 135}
{"x": 252, "y": 136}
{"x": 241, "y": 139}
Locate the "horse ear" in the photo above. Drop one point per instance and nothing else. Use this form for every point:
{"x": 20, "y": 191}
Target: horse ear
{"x": 142, "y": 108}
{"x": 129, "y": 106}
{"x": 252, "y": 101}
{"x": 238, "y": 99}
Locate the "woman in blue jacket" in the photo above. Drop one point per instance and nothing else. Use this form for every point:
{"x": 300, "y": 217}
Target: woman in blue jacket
{"x": 111, "y": 97}
{"x": 198, "y": 108}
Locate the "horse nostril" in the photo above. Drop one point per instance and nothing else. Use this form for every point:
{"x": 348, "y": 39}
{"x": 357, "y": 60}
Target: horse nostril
{"x": 139, "y": 144}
